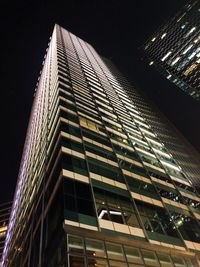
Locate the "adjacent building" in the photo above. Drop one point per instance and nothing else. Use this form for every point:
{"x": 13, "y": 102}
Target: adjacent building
{"x": 5, "y": 210}
{"x": 99, "y": 185}
{"x": 175, "y": 49}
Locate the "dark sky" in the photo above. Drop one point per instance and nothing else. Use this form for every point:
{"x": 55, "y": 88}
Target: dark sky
{"x": 117, "y": 29}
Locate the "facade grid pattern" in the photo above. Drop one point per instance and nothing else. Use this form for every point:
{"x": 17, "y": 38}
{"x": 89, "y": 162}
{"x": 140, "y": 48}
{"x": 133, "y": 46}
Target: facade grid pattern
{"x": 97, "y": 186}
{"x": 175, "y": 50}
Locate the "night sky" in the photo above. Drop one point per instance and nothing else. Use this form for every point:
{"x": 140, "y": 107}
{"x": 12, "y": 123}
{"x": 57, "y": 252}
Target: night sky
{"x": 117, "y": 30}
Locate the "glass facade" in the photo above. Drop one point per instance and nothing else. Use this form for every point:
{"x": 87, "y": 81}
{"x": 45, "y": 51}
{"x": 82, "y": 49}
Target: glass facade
{"x": 94, "y": 252}
{"x": 175, "y": 49}
{"x": 97, "y": 186}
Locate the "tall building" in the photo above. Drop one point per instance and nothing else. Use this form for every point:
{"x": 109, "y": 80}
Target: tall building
{"x": 5, "y": 210}
{"x": 97, "y": 185}
{"x": 175, "y": 49}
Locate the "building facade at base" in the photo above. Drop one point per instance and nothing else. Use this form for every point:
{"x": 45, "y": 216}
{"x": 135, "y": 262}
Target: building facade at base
{"x": 97, "y": 186}
{"x": 5, "y": 210}
{"x": 175, "y": 49}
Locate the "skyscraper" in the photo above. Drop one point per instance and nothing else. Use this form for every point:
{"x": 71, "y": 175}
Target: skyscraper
{"x": 97, "y": 186}
{"x": 175, "y": 49}
{"x": 5, "y": 210}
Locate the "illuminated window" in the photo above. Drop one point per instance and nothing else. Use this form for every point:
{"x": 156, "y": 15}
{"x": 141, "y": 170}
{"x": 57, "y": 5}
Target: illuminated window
{"x": 2, "y": 234}
{"x": 166, "y": 56}
{"x": 88, "y": 124}
{"x": 115, "y": 208}
{"x": 95, "y": 248}
{"x": 190, "y": 69}
{"x": 187, "y": 49}
{"x": 175, "y": 61}
{"x": 192, "y": 55}
{"x": 3, "y": 228}
{"x": 163, "y": 36}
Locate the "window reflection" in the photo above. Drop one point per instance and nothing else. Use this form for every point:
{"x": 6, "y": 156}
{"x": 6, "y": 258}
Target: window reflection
{"x": 155, "y": 219}
{"x": 114, "y": 208}
{"x": 133, "y": 255}
{"x": 187, "y": 226}
{"x": 114, "y": 251}
{"x": 178, "y": 262}
{"x": 171, "y": 194}
{"x": 150, "y": 258}
{"x": 75, "y": 244}
{"x": 88, "y": 252}
{"x": 165, "y": 260}
{"x": 95, "y": 248}
{"x": 95, "y": 262}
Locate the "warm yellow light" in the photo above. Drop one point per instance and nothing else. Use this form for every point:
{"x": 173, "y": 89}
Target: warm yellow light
{"x": 3, "y": 228}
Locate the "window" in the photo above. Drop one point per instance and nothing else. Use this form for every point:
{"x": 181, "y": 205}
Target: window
{"x": 164, "y": 260}
{"x": 187, "y": 225}
{"x": 91, "y": 113}
{"x": 133, "y": 168}
{"x": 78, "y": 197}
{"x": 75, "y": 261}
{"x": 2, "y": 234}
{"x": 68, "y": 116}
{"x": 115, "y": 251}
{"x": 75, "y": 244}
{"x": 159, "y": 176}
{"x": 170, "y": 193}
{"x": 150, "y": 160}
{"x": 89, "y": 124}
{"x": 100, "y": 151}
{"x": 156, "y": 219}
{"x": 85, "y": 102}
{"x": 72, "y": 145}
{"x": 143, "y": 188}
{"x": 74, "y": 164}
{"x": 133, "y": 255}
{"x": 95, "y": 137}
{"x": 95, "y": 248}
{"x": 89, "y": 252}
{"x": 190, "y": 69}
{"x": 126, "y": 152}
{"x": 105, "y": 170}
{"x": 150, "y": 258}
{"x": 117, "y": 137}
{"x": 117, "y": 264}
{"x": 115, "y": 208}
{"x": 96, "y": 262}
{"x": 178, "y": 262}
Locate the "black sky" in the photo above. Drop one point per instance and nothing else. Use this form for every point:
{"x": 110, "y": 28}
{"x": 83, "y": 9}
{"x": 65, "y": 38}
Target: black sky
{"x": 117, "y": 29}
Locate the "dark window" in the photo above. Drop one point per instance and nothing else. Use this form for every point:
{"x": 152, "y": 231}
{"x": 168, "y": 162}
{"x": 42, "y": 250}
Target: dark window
{"x": 142, "y": 187}
{"x": 100, "y": 151}
{"x": 95, "y": 137}
{"x": 78, "y": 197}
{"x": 110, "y": 172}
